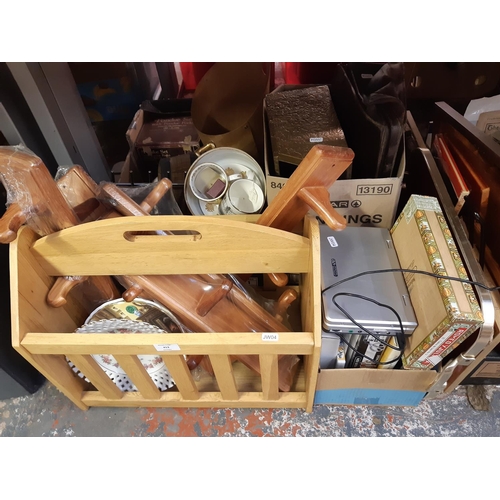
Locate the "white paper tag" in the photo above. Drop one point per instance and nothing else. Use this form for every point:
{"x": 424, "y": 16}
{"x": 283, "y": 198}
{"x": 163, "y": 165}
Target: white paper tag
{"x": 435, "y": 360}
{"x": 316, "y": 139}
{"x": 167, "y": 347}
{"x": 332, "y": 241}
{"x": 270, "y": 337}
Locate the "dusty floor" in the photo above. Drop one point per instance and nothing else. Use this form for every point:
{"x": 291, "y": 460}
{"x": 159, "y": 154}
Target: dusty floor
{"x": 49, "y": 413}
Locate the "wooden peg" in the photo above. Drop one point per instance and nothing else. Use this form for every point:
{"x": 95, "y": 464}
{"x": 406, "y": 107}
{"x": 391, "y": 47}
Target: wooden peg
{"x": 279, "y": 279}
{"x": 104, "y": 285}
{"x": 283, "y": 303}
{"x": 212, "y": 297}
{"x": 132, "y": 293}
{"x": 61, "y": 288}
{"x": 318, "y": 198}
{"x": 11, "y": 221}
{"x": 156, "y": 194}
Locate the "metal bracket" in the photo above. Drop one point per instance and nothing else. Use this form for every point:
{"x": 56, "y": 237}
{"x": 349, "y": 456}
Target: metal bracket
{"x": 485, "y": 298}
{"x": 440, "y": 385}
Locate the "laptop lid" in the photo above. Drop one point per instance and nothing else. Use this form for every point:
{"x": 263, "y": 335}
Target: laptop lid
{"x": 350, "y": 252}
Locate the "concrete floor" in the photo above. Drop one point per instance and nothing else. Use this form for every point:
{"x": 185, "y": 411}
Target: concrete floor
{"x": 49, "y": 413}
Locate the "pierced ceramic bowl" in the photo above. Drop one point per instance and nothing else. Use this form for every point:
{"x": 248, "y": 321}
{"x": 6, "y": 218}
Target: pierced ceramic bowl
{"x": 138, "y": 316}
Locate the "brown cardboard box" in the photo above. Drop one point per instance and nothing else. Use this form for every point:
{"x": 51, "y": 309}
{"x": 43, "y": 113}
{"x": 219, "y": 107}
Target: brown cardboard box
{"x": 161, "y": 129}
{"x": 164, "y": 137}
{"x": 447, "y": 311}
{"x": 365, "y": 386}
{"x": 363, "y": 202}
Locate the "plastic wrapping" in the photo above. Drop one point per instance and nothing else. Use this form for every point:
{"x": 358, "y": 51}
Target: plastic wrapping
{"x": 207, "y": 303}
{"x": 485, "y": 115}
{"x": 203, "y": 303}
{"x": 166, "y": 205}
{"x": 277, "y": 308}
{"x": 8, "y": 170}
{"x": 192, "y": 293}
{"x": 32, "y": 195}
{"x": 62, "y": 171}
{"x": 214, "y": 303}
{"x": 81, "y": 193}
{"x": 86, "y": 199}
{"x": 479, "y": 106}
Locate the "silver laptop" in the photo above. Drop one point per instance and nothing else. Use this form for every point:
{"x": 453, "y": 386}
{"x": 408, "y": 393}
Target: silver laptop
{"x": 352, "y": 251}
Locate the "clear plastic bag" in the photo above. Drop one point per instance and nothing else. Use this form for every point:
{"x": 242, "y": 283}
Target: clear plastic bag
{"x": 477, "y": 107}
{"x": 214, "y": 303}
{"x": 205, "y": 303}
{"x": 164, "y": 205}
{"x": 81, "y": 193}
{"x": 32, "y": 195}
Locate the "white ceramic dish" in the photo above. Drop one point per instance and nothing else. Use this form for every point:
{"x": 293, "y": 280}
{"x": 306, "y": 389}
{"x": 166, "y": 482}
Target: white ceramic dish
{"x": 154, "y": 365}
{"x": 244, "y": 196}
{"x": 233, "y": 161}
{"x": 138, "y": 316}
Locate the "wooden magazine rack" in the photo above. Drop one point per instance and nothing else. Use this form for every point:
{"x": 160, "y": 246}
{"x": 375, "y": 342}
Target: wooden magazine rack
{"x": 42, "y": 334}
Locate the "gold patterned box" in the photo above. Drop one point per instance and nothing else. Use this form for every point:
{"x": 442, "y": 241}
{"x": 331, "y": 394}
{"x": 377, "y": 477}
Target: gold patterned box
{"x": 447, "y": 311}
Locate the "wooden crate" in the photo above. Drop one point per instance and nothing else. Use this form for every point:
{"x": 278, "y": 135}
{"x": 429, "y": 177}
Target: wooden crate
{"x": 43, "y": 335}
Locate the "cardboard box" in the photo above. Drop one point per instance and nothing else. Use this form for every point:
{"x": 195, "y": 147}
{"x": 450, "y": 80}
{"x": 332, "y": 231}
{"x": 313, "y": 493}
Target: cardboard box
{"x": 447, "y": 311}
{"x": 161, "y": 129}
{"x": 365, "y": 386}
{"x": 363, "y": 202}
{"x": 164, "y": 137}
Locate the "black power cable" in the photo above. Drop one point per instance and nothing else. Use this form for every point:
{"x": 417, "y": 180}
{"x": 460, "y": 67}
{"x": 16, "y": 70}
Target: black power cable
{"x": 400, "y": 334}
